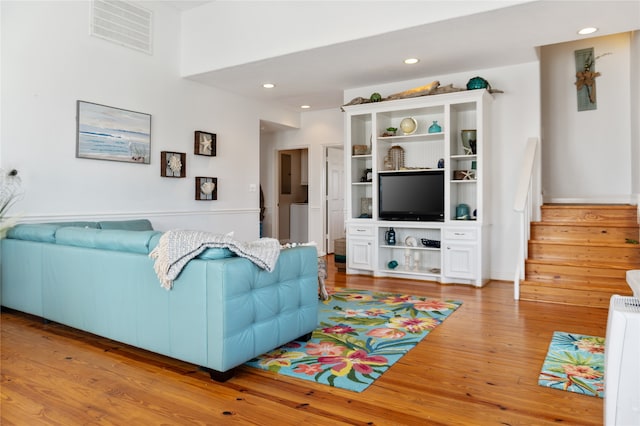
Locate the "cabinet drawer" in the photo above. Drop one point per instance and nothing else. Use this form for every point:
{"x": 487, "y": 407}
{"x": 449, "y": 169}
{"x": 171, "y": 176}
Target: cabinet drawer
{"x": 361, "y": 230}
{"x": 460, "y": 234}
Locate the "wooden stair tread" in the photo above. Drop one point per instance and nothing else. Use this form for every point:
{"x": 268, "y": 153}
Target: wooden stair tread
{"x": 568, "y": 206}
{"x": 591, "y": 273}
{"x": 612, "y": 224}
{"x": 575, "y": 298}
{"x": 590, "y": 213}
{"x": 576, "y": 276}
{"x": 585, "y": 264}
{"x": 579, "y": 285}
{"x": 586, "y": 243}
{"x": 579, "y": 254}
{"x": 578, "y": 263}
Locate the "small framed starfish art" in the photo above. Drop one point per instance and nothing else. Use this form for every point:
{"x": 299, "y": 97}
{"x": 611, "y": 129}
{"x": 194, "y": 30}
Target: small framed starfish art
{"x": 204, "y": 143}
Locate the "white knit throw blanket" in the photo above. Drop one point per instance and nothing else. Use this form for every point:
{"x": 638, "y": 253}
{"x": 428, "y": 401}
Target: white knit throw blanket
{"x": 177, "y": 247}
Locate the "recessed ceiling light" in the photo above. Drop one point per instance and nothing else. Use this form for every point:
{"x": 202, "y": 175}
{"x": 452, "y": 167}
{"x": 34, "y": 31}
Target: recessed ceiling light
{"x": 268, "y": 85}
{"x": 305, "y": 106}
{"x": 411, "y": 61}
{"x": 587, "y": 30}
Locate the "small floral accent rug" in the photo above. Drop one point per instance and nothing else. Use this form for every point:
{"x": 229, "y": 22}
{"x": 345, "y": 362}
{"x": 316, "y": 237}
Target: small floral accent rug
{"x": 360, "y": 335}
{"x": 574, "y": 363}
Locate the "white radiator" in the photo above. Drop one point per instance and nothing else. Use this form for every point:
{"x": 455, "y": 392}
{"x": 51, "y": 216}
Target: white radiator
{"x": 622, "y": 362}
{"x": 633, "y": 279}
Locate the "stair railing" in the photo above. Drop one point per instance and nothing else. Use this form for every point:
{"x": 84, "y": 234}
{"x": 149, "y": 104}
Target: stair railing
{"x": 527, "y": 205}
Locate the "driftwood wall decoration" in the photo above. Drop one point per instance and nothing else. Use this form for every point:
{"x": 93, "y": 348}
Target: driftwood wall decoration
{"x": 586, "y": 78}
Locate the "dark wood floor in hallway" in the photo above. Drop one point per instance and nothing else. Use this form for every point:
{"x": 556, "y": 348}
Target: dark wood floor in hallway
{"x": 480, "y": 367}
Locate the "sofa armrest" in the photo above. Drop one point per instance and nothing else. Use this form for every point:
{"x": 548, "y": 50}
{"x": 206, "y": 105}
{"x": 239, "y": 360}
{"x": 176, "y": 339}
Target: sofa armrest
{"x": 255, "y": 311}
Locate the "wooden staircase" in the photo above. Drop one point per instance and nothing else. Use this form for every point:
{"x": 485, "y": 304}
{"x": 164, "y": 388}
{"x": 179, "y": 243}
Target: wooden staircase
{"x": 579, "y": 254}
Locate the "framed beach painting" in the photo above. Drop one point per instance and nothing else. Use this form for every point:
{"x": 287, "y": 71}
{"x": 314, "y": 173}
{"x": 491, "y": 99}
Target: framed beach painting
{"x": 115, "y": 134}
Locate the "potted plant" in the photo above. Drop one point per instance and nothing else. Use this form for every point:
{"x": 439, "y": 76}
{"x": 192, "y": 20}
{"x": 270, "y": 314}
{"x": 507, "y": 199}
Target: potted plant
{"x": 9, "y": 193}
{"x": 391, "y": 131}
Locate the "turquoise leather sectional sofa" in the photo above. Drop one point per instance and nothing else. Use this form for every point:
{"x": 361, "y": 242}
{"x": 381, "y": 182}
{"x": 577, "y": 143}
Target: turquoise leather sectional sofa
{"x": 222, "y": 311}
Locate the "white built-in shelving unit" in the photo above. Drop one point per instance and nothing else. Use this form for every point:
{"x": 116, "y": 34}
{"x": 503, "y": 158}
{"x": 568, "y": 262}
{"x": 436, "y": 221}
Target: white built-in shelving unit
{"x": 463, "y": 254}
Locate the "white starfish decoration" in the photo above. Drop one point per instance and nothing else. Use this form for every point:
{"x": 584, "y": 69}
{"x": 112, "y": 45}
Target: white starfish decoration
{"x": 467, "y": 175}
{"x": 205, "y": 144}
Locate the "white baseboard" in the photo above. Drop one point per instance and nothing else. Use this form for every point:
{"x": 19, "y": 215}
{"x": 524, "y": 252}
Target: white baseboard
{"x": 614, "y": 199}
{"x": 68, "y": 217}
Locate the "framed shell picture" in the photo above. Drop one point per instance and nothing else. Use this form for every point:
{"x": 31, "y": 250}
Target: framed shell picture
{"x": 206, "y": 188}
{"x": 173, "y": 164}
{"x": 204, "y": 143}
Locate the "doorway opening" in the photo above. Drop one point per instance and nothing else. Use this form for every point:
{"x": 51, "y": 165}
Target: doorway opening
{"x": 293, "y": 195}
{"x": 334, "y": 211}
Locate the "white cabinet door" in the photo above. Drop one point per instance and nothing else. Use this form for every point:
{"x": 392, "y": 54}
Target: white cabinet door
{"x": 460, "y": 260}
{"x": 462, "y": 256}
{"x": 360, "y": 253}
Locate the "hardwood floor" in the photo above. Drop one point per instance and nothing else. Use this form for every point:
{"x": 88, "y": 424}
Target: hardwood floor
{"x": 479, "y": 367}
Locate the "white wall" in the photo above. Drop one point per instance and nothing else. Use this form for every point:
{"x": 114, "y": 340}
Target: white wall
{"x": 222, "y": 34}
{"x": 635, "y": 114}
{"x": 515, "y": 116}
{"x": 587, "y": 155}
{"x": 318, "y": 129}
{"x": 49, "y": 61}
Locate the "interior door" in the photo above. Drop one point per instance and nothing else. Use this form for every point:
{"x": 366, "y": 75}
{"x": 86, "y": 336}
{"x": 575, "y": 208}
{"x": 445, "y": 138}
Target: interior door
{"x": 335, "y": 196}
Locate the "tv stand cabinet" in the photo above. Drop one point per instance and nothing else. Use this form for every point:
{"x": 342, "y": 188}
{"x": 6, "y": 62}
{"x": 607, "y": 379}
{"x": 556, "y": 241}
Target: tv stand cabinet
{"x": 457, "y": 249}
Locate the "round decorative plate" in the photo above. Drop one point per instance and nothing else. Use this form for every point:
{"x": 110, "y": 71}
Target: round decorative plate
{"x": 411, "y": 242}
{"x": 408, "y": 125}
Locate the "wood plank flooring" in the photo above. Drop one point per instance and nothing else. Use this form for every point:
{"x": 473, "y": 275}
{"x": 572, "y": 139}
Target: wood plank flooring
{"x": 480, "y": 367}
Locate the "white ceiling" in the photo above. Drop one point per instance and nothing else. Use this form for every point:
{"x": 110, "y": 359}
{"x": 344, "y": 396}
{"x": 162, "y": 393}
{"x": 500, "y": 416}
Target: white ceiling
{"x": 497, "y": 38}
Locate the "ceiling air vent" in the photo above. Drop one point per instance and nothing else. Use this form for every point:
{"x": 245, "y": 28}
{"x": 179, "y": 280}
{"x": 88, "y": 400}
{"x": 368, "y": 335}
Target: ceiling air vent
{"x": 123, "y": 23}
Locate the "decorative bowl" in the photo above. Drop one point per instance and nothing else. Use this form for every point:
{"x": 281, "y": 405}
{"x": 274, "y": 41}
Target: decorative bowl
{"x": 408, "y": 125}
{"x": 411, "y": 242}
{"x": 477, "y": 83}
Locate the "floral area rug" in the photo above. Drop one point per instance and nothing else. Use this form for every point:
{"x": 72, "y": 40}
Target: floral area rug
{"x": 360, "y": 335}
{"x": 574, "y": 363}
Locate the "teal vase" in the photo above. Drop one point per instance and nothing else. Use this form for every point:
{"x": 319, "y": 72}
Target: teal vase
{"x": 435, "y": 128}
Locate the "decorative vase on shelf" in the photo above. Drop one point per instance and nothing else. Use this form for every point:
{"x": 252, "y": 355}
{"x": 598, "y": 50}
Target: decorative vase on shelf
{"x": 408, "y": 125}
{"x": 396, "y": 155}
{"x": 435, "y": 128}
{"x": 462, "y": 212}
{"x": 469, "y": 139}
{"x": 390, "y": 237}
{"x": 416, "y": 261}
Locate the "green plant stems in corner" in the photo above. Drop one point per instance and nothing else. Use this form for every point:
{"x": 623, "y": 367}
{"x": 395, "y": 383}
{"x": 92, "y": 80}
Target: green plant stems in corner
{"x": 10, "y": 184}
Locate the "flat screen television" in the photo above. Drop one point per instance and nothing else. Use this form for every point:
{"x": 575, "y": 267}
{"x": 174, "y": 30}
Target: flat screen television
{"x": 411, "y": 196}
